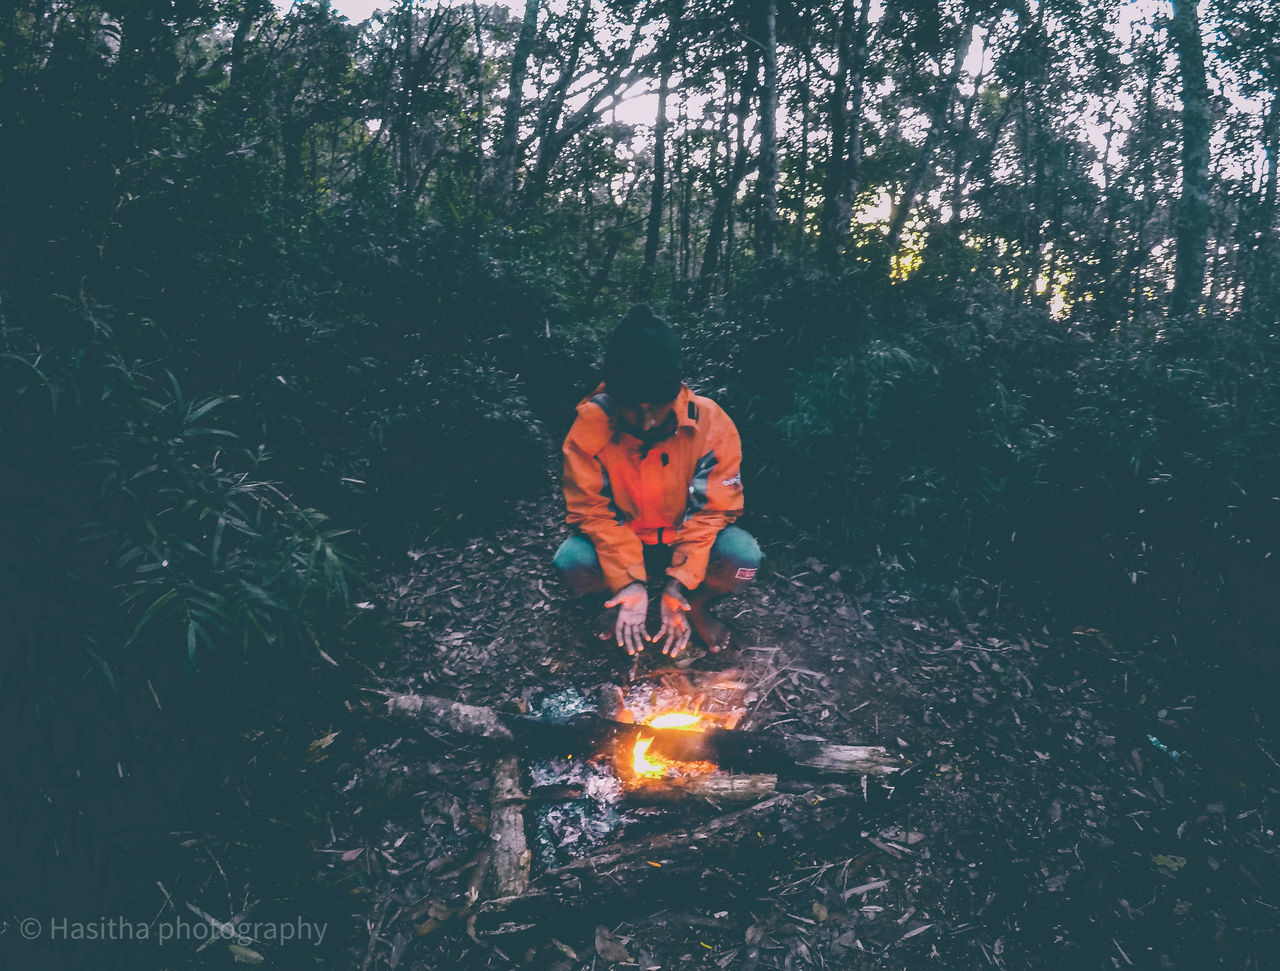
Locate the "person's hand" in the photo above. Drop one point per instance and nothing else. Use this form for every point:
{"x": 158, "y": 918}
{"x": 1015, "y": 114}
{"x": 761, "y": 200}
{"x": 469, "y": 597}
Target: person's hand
{"x": 675, "y": 631}
{"x": 632, "y": 602}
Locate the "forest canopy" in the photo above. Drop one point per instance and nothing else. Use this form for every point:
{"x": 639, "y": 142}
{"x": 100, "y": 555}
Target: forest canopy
{"x": 995, "y": 282}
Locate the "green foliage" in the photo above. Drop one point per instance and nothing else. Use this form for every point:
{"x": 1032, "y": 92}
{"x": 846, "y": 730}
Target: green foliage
{"x": 206, "y": 551}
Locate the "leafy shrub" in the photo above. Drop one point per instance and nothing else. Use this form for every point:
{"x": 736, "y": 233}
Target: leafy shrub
{"x": 203, "y": 546}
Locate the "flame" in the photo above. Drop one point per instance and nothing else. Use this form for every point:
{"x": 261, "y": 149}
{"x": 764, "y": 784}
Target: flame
{"x": 676, "y": 719}
{"x": 641, "y": 763}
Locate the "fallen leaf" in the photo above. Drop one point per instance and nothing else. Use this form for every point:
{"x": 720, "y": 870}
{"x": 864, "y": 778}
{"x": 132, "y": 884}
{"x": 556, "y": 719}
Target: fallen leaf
{"x": 318, "y": 746}
{"x": 245, "y": 955}
{"x": 350, "y": 855}
{"x": 610, "y": 948}
{"x": 565, "y": 949}
{"x": 1170, "y": 862}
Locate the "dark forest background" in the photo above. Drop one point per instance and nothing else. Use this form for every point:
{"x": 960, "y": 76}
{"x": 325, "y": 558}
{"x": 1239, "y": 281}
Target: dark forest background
{"x": 989, "y": 287}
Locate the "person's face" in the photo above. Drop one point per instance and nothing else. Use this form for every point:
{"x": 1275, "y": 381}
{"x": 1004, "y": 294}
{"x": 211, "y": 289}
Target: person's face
{"x": 646, "y": 418}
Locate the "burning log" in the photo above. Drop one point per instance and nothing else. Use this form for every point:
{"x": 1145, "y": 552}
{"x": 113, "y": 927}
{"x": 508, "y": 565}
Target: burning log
{"x": 748, "y": 751}
{"x": 792, "y": 754}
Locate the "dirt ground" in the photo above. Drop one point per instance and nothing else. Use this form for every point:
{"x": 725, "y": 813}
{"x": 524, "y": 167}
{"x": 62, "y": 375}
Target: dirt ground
{"x": 1083, "y": 802}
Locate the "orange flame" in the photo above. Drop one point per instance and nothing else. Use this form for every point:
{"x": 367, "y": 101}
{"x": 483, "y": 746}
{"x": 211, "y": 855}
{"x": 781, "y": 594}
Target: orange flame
{"x": 676, "y": 719}
{"x": 641, "y": 763}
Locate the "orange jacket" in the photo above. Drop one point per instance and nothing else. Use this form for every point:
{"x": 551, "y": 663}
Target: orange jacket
{"x": 681, "y": 493}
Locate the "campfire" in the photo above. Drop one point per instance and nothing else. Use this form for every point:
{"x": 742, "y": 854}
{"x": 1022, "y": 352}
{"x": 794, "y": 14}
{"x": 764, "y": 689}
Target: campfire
{"x": 580, "y": 771}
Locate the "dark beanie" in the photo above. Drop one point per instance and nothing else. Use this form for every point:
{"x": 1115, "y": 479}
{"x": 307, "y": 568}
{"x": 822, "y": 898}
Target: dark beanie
{"x": 642, "y": 359}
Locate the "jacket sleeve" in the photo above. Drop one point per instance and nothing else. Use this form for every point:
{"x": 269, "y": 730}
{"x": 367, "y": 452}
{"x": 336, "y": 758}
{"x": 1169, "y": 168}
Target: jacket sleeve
{"x": 715, "y": 501}
{"x": 587, "y": 500}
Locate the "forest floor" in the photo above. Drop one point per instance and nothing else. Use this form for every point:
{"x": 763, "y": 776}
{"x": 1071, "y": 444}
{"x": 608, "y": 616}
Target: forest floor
{"x": 1084, "y": 803}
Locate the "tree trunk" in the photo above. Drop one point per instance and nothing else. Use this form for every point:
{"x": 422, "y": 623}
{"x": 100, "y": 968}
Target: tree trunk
{"x": 722, "y": 210}
{"x": 802, "y": 177}
{"x": 402, "y": 124}
{"x": 613, "y": 242}
{"x": 834, "y": 222}
{"x": 653, "y": 231}
{"x": 505, "y": 165}
{"x": 250, "y": 12}
{"x": 845, "y": 159}
{"x": 480, "y": 109}
{"x": 767, "y": 224}
{"x": 686, "y": 200}
{"x": 901, "y": 211}
{"x": 1193, "y": 213}
{"x": 1257, "y": 248}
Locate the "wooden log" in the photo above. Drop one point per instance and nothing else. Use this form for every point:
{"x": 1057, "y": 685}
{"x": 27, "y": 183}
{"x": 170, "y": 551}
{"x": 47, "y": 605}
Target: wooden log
{"x": 689, "y": 863}
{"x": 754, "y": 750}
{"x": 511, "y": 857}
{"x": 743, "y": 750}
{"x": 470, "y": 720}
{"x": 722, "y": 788}
{"x": 664, "y": 865}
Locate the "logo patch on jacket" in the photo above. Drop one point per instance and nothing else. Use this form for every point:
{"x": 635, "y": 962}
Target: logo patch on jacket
{"x": 736, "y": 480}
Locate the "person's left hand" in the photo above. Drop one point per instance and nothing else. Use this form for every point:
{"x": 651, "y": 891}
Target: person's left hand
{"x": 675, "y": 631}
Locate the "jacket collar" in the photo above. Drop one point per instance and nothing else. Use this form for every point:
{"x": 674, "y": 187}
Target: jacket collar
{"x": 686, "y": 410}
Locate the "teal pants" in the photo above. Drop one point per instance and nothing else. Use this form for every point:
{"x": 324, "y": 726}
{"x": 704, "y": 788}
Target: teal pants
{"x": 735, "y": 557}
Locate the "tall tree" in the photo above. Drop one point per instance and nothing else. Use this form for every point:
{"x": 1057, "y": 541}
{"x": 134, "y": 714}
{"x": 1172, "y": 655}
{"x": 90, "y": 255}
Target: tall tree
{"x": 942, "y": 98}
{"x": 767, "y": 225}
{"x": 653, "y": 230}
{"x": 1248, "y": 44}
{"x": 1193, "y": 204}
{"x": 504, "y": 180}
{"x": 720, "y": 223}
{"x": 844, "y": 159}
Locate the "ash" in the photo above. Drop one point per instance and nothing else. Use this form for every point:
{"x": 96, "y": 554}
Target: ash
{"x": 562, "y": 705}
{"x": 568, "y": 830}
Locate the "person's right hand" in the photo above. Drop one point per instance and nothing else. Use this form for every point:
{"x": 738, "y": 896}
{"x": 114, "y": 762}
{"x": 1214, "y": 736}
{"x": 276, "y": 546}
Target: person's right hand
{"x": 632, "y": 602}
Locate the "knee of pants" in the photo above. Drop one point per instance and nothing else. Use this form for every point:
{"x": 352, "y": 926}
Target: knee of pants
{"x": 735, "y": 557}
{"x": 579, "y": 566}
